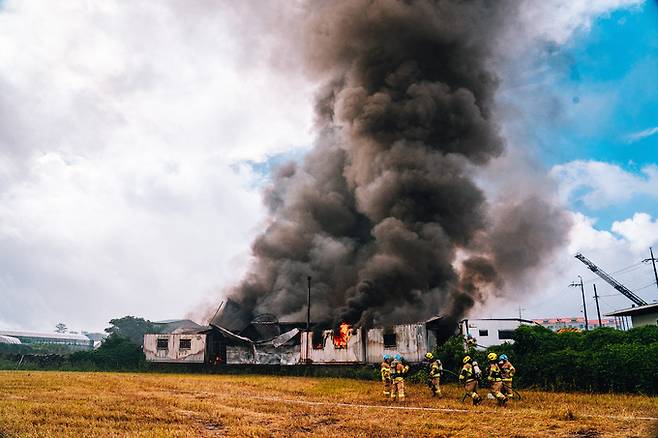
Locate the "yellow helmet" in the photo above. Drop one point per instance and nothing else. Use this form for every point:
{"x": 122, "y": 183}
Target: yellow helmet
{"x": 492, "y": 356}
{"x": 467, "y": 359}
{"x": 429, "y": 356}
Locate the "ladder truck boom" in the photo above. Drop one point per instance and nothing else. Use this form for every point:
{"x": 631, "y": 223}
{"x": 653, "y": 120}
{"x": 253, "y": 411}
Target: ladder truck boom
{"x": 611, "y": 281}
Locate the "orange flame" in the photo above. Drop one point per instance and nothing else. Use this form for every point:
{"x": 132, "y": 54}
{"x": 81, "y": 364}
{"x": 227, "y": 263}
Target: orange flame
{"x": 340, "y": 339}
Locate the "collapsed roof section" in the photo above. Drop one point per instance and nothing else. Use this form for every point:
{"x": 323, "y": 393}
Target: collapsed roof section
{"x": 232, "y": 316}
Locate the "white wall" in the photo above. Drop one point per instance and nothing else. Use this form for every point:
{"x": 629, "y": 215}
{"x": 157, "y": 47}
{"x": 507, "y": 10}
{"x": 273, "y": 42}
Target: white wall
{"x": 478, "y": 327}
{"x": 354, "y": 353}
{"x": 411, "y": 343}
{"x": 648, "y": 319}
{"x": 173, "y": 354}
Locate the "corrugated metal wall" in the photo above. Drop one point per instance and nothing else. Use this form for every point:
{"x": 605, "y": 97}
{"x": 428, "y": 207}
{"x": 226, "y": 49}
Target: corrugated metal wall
{"x": 354, "y": 353}
{"x": 264, "y": 355}
{"x": 411, "y": 343}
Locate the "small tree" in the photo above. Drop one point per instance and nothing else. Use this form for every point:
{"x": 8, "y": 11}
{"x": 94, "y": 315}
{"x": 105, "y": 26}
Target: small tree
{"x": 132, "y": 328}
{"x": 61, "y": 328}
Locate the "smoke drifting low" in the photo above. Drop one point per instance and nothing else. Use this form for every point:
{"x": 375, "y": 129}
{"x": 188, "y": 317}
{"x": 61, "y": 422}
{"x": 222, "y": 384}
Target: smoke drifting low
{"x": 384, "y": 213}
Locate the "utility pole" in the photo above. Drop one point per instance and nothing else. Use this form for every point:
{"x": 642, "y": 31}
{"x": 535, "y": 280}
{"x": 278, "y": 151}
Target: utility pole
{"x": 653, "y": 262}
{"x": 598, "y": 311}
{"x": 521, "y": 309}
{"x": 308, "y": 318}
{"x": 582, "y": 291}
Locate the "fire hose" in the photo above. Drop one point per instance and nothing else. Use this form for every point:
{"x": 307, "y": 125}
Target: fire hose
{"x": 515, "y": 393}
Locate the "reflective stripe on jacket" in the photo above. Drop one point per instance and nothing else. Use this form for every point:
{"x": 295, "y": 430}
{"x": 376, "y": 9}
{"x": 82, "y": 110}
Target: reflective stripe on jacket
{"x": 385, "y": 370}
{"x": 398, "y": 370}
{"x": 494, "y": 373}
{"x": 466, "y": 375}
{"x": 435, "y": 369}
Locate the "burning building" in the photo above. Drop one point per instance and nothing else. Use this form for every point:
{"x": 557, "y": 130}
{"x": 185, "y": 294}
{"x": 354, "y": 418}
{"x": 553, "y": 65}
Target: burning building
{"x": 267, "y": 341}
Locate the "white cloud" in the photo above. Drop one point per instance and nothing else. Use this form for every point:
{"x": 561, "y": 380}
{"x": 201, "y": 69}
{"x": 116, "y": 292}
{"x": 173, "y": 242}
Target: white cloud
{"x": 120, "y": 128}
{"x": 599, "y": 184}
{"x": 637, "y": 136}
{"x": 556, "y": 21}
{"x": 618, "y": 250}
{"x": 640, "y": 231}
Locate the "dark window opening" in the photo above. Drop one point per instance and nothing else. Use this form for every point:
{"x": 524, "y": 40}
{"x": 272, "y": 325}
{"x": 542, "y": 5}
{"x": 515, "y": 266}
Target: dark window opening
{"x": 390, "y": 340}
{"x": 484, "y": 332}
{"x": 163, "y": 344}
{"x": 185, "y": 344}
{"x": 318, "y": 340}
{"x": 505, "y": 334}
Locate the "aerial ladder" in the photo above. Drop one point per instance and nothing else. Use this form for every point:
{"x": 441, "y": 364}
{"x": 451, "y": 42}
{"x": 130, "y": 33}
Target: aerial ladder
{"x": 611, "y": 281}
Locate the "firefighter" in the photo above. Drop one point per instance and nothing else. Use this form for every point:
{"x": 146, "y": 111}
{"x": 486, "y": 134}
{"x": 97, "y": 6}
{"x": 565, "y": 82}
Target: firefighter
{"x": 467, "y": 378}
{"x": 434, "y": 371}
{"x": 398, "y": 372}
{"x": 385, "y": 371}
{"x": 495, "y": 379}
{"x": 507, "y": 372}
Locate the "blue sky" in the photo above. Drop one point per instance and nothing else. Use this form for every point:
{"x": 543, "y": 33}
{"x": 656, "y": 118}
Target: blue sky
{"x": 587, "y": 99}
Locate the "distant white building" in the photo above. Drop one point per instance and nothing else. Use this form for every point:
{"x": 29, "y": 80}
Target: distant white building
{"x": 491, "y": 331}
{"x": 49, "y": 338}
{"x": 556, "y": 324}
{"x": 9, "y": 340}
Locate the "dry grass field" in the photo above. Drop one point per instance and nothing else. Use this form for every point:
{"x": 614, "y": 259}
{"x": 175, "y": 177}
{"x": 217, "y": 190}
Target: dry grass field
{"x": 75, "y": 404}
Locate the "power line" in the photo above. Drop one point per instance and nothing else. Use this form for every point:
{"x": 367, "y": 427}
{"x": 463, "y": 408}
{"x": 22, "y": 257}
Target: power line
{"x": 620, "y": 273}
{"x": 644, "y": 287}
{"x": 653, "y": 263}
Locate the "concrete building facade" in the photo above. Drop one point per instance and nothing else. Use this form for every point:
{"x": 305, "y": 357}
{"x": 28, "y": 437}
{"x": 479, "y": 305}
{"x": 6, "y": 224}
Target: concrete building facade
{"x": 556, "y": 324}
{"x": 491, "y": 331}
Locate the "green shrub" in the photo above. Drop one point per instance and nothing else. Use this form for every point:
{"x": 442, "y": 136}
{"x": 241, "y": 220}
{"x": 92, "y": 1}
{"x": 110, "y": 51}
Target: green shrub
{"x": 116, "y": 352}
{"x": 599, "y": 360}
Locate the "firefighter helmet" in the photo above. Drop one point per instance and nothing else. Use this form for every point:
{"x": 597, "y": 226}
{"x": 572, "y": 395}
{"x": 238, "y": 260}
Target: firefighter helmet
{"x": 503, "y": 357}
{"x": 492, "y": 356}
{"x": 387, "y": 357}
{"x": 398, "y": 357}
{"x": 467, "y": 359}
{"x": 429, "y": 356}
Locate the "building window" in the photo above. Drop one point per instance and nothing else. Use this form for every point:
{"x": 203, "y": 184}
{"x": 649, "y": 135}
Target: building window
{"x": 505, "y": 334}
{"x": 484, "y": 332}
{"x": 163, "y": 344}
{"x": 317, "y": 340}
{"x": 390, "y": 340}
{"x": 185, "y": 344}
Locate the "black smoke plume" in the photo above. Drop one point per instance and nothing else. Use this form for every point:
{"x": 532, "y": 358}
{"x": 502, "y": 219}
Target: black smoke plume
{"x": 384, "y": 213}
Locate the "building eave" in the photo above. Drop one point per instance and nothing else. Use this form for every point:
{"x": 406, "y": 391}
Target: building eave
{"x": 633, "y": 311}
